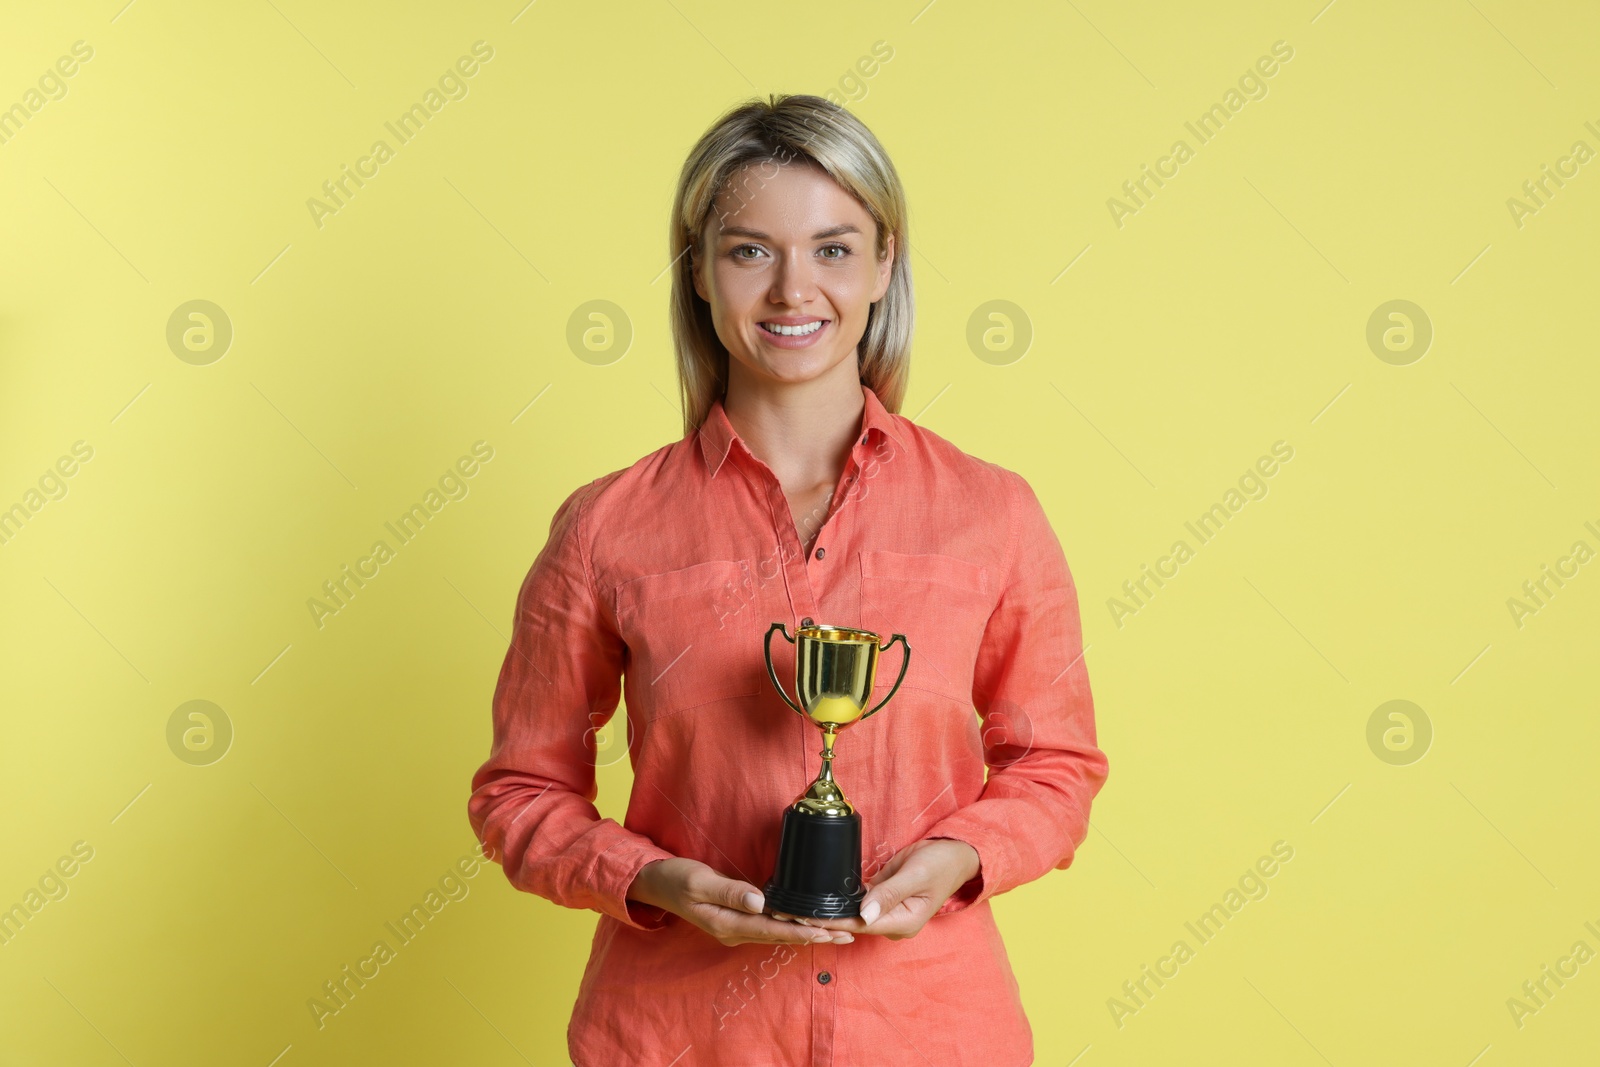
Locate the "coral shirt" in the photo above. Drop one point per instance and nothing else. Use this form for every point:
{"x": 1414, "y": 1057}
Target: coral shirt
{"x": 667, "y": 575}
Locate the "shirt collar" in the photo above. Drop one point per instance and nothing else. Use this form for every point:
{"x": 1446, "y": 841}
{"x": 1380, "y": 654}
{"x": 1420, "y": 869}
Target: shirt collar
{"x": 717, "y": 433}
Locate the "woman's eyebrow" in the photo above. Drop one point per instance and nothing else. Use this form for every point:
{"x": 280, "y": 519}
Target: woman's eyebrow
{"x": 832, "y": 231}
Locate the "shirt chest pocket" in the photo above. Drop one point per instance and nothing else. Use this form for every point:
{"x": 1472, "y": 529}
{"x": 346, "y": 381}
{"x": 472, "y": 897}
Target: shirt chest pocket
{"x": 691, "y": 637}
{"x": 941, "y": 603}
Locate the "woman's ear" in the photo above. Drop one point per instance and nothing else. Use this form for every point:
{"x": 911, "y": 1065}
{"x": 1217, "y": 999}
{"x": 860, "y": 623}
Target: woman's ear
{"x": 695, "y": 265}
{"x": 885, "y": 269}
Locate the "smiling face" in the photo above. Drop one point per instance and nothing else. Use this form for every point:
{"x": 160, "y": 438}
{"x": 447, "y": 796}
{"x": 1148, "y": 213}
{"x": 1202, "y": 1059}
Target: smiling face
{"x": 789, "y": 266}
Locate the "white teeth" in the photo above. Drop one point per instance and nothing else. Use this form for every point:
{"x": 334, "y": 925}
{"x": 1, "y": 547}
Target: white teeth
{"x": 793, "y": 331}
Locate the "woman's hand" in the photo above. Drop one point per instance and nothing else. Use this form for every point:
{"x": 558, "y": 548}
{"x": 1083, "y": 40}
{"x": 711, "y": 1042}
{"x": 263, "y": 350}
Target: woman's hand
{"x": 914, "y": 884}
{"x": 727, "y": 909}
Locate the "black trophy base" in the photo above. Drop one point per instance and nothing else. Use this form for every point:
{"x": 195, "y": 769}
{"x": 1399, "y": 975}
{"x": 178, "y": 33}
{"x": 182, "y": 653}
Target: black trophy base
{"x": 818, "y": 873}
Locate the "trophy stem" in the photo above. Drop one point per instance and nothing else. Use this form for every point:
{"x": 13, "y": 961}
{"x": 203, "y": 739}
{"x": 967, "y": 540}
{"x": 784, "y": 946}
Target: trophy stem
{"x": 827, "y": 754}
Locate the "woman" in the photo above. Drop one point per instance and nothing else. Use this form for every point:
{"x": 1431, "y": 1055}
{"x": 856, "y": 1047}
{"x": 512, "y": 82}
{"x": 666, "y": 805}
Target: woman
{"x": 797, "y": 493}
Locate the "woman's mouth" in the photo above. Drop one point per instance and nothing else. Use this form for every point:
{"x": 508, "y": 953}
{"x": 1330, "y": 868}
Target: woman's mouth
{"x": 793, "y": 334}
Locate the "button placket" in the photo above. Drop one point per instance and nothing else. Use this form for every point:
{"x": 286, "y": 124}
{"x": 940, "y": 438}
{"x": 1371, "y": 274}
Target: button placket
{"x": 824, "y": 1005}
{"x": 792, "y": 555}
{"x": 792, "y": 559}
{"x": 795, "y": 555}
{"x": 831, "y": 525}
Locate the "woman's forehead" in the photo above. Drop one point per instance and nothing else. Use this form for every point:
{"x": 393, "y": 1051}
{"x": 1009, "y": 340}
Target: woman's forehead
{"x": 762, "y": 198}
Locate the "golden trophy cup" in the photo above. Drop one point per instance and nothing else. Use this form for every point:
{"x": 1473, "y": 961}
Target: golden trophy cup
{"x": 818, "y": 871}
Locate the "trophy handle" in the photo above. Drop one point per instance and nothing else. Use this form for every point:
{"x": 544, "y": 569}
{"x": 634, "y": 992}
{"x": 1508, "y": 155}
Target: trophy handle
{"x": 773, "y": 674}
{"x": 905, "y": 661}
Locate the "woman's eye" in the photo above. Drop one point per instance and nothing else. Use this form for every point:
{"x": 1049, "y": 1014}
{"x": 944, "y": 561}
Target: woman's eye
{"x": 843, "y": 250}
{"x": 744, "y": 248}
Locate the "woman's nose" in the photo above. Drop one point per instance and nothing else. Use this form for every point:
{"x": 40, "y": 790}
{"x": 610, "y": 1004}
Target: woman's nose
{"x": 793, "y": 283}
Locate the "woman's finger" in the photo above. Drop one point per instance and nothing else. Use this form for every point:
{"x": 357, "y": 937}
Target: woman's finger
{"x": 848, "y": 924}
{"x": 886, "y": 894}
{"x": 765, "y": 927}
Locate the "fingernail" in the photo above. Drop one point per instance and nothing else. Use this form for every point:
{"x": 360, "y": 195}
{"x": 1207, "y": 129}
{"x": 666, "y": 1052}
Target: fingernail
{"x": 753, "y": 901}
{"x": 843, "y": 939}
{"x": 870, "y": 912}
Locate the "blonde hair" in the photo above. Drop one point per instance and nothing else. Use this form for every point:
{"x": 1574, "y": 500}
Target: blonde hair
{"x": 788, "y": 128}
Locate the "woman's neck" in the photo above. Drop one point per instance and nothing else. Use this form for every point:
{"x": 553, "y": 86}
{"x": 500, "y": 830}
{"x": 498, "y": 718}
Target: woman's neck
{"x": 802, "y": 431}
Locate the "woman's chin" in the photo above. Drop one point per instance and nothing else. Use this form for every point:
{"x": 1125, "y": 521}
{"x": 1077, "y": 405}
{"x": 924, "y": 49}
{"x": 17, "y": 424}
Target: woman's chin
{"x": 792, "y": 367}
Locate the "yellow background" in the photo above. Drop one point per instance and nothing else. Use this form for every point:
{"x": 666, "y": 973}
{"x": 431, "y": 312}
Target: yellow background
{"x": 1230, "y": 312}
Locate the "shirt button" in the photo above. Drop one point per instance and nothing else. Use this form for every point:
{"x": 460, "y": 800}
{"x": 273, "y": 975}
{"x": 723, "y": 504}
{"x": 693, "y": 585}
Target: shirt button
{"x": 806, "y": 621}
{"x": 821, "y": 552}
{"x": 824, "y": 977}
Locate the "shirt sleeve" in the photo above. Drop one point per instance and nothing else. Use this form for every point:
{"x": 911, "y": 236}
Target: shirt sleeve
{"x": 532, "y": 802}
{"x": 1031, "y": 690}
